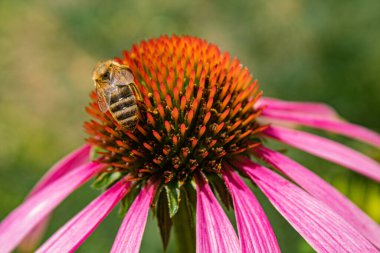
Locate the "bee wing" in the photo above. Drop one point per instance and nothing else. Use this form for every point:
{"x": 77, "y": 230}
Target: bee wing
{"x": 128, "y": 75}
{"x": 125, "y": 78}
{"x": 104, "y": 99}
{"x": 122, "y": 77}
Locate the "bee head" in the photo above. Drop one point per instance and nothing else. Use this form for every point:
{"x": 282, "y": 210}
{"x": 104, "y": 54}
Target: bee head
{"x": 102, "y": 72}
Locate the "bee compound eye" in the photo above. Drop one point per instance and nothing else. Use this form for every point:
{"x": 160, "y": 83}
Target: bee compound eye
{"x": 106, "y": 76}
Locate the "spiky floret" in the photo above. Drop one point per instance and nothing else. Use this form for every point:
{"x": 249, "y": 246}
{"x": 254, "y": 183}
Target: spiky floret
{"x": 197, "y": 110}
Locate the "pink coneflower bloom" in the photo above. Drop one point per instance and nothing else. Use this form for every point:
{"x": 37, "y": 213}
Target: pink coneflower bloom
{"x": 202, "y": 129}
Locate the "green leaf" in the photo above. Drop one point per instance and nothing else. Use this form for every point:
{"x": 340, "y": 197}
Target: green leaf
{"x": 163, "y": 219}
{"x": 105, "y": 180}
{"x": 94, "y": 154}
{"x": 128, "y": 200}
{"x": 173, "y": 194}
{"x": 218, "y": 185}
{"x": 156, "y": 199}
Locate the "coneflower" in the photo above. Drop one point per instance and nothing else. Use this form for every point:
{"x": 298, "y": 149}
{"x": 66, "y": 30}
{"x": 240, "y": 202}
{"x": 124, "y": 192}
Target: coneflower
{"x": 202, "y": 129}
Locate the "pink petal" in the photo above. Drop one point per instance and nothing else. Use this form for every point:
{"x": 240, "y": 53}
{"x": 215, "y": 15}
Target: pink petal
{"x": 65, "y": 165}
{"x": 255, "y": 231}
{"x": 69, "y": 237}
{"x": 214, "y": 231}
{"x": 325, "y": 230}
{"x": 302, "y": 107}
{"x": 20, "y": 222}
{"x": 130, "y": 233}
{"x": 328, "y": 150}
{"x": 317, "y": 121}
{"x": 323, "y": 191}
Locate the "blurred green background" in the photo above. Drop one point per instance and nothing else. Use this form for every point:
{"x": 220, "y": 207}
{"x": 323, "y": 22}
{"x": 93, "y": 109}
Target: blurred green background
{"x": 326, "y": 51}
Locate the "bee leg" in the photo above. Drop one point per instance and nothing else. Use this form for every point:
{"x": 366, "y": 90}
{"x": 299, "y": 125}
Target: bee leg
{"x": 142, "y": 109}
{"x": 136, "y": 92}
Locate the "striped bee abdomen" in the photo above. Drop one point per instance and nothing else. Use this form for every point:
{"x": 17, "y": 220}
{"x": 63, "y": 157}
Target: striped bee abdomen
{"x": 124, "y": 108}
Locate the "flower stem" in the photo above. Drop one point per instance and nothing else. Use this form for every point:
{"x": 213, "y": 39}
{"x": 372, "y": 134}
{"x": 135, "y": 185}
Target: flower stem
{"x": 184, "y": 224}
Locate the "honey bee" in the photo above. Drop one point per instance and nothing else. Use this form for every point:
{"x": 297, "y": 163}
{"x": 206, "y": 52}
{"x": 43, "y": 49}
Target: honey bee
{"x": 117, "y": 93}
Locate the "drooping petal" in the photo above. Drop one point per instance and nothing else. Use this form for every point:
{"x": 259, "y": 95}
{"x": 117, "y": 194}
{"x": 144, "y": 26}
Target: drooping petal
{"x": 65, "y": 165}
{"x": 324, "y": 229}
{"x": 303, "y": 107}
{"x": 69, "y": 237}
{"x": 18, "y": 223}
{"x": 130, "y": 233}
{"x": 255, "y": 231}
{"x": 327, "y": 149}
{"x": 325, "y": 123}
{"x": 214, "y": 232}
{"x": 323, "y": 191}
